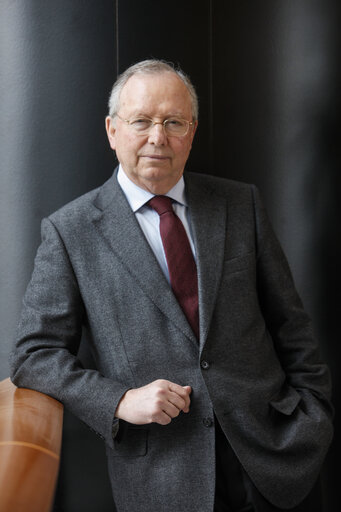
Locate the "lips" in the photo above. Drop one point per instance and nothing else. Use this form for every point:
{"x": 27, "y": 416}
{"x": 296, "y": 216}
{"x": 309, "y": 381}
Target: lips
{"x": 156, "y": 157}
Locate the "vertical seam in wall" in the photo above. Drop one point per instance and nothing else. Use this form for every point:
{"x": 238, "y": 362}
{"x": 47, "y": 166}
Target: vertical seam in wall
{"x": 117, "y": 43}
{"x": 210, "y": 85}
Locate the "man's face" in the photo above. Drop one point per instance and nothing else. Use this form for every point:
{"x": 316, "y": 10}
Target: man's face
{"x": 154, "y": 161}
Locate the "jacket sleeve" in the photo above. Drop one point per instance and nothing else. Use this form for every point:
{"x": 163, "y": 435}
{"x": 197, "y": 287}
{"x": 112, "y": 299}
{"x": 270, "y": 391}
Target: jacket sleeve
{"x": 288, "y": 324}
{"x": 48, "y": 338}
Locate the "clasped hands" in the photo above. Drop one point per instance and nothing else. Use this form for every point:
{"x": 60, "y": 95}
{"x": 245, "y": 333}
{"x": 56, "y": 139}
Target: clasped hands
{"x": 157, "y": 402}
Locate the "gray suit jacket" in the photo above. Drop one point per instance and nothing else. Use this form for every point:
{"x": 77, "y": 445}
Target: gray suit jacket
{"x": 256, "y": 366}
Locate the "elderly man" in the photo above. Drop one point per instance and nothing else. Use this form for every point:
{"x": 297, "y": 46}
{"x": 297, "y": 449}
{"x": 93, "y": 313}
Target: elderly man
{"x": 208, "y": 390}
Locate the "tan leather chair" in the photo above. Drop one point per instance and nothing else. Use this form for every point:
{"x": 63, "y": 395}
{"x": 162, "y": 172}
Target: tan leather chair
{"x": 30, "y": 443}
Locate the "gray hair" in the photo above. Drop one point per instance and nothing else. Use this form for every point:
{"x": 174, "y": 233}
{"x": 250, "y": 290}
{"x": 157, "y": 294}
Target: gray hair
{"x": 150, "y": 66}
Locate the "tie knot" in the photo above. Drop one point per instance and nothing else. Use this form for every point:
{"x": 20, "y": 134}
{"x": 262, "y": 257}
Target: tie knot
{"x": 161, "y": 204}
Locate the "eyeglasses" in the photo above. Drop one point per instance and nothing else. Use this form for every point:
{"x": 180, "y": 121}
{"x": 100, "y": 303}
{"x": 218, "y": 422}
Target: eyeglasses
{"x": 173, "y": 127}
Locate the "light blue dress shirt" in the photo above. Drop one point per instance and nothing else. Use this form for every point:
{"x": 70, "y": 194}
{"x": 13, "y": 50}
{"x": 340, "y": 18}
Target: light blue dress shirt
{"x": 149, "y": 219}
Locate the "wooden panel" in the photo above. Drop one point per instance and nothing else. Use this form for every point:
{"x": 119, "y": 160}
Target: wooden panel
{"x": 30, "y": 442}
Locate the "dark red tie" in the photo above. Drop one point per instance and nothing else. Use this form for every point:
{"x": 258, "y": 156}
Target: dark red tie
{"x": 181, "y": 265}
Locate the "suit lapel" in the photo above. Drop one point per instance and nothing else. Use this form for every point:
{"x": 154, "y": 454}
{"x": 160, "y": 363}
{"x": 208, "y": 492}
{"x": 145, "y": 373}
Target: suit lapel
{"x": 208, "y": 213}
{"x": 119, "y": 227}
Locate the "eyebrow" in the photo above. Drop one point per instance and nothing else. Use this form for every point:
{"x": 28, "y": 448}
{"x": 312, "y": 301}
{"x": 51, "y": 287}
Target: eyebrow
{"x": 140, "y": 112}
{"x": 167, "y": 116}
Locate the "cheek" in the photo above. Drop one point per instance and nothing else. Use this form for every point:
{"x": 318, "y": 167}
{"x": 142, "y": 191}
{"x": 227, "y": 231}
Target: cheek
{"x": 127, "y": 147}
{"x": 181, "y": 149}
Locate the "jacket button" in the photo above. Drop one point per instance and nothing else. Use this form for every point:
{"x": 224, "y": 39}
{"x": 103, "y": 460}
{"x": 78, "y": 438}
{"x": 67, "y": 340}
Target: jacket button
{"x": 205, "y": 365}
{"x": 208, "y": 422}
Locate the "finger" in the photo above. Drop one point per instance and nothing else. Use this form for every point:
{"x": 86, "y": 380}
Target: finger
{"x": 189, "y": 391}
{"x": 188, "y": 400}
{"x": 166, "y": 408}
{"x": 177, "y": 400}
{"x": 183, "y": 392}
{"x": 162, "y": 418}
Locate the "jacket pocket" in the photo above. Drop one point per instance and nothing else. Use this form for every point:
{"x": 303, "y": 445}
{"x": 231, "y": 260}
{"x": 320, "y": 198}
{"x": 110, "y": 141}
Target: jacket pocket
{"x": 286, "y": 400}
{"x": 132, "y": 442}
{"x": 239, "y": 263}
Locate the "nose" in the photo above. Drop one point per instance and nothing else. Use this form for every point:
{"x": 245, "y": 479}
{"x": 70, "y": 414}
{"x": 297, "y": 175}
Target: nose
{"x": 157, "y": 135}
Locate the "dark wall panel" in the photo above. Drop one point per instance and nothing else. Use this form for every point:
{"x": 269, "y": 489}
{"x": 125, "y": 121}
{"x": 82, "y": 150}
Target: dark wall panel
{"x": 179, "y": 32}
{"x": 273, "y": 84}
{"x": 57, "y": 62}
{"x": 243, "y": 89}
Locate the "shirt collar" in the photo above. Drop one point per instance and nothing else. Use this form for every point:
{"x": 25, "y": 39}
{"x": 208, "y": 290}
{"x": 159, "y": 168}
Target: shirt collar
{"x": 138, "y": 197}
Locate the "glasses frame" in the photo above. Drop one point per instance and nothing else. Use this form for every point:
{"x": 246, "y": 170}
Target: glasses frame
{"x": 163, "y": 123}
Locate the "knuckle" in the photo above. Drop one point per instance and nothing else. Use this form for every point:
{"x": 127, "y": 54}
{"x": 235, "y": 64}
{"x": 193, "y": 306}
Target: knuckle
{"x": 160, "y": 392}
{"x": 158, "y": 405}
{"x": 161, "y": 382}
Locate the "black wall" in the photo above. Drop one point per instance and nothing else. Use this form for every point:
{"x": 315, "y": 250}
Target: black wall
{"x": 268, "y": 78}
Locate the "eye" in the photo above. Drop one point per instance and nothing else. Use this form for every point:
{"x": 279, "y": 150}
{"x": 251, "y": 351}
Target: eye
{"x": 140, "y": 123}
{"x": 173, "y": 122}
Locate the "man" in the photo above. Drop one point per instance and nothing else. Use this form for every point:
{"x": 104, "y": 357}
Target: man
{"x": 209, "y": 390}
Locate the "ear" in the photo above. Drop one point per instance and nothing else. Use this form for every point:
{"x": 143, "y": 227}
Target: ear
{"x": 111, "y": 130}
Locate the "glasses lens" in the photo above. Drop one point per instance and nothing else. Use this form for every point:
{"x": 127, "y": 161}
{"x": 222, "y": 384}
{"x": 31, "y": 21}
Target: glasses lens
{"x": 176, "y": 127}
{"x": 172, "y": 126}
{"x": 141, "y": 124}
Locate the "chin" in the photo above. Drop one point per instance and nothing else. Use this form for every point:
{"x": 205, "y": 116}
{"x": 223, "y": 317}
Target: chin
{"x": 156, "y": 174}
{"x": 158, "y": 181}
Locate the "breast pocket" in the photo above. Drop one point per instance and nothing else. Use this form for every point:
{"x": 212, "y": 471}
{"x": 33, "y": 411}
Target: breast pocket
{"x": 239, "y": 263}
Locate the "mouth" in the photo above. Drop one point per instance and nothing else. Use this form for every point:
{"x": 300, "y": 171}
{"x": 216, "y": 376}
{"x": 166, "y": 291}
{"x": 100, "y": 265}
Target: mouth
{"x": 156, "y": 157}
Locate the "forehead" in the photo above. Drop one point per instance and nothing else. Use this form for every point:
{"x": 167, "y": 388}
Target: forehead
{"x": 163, "y": 93}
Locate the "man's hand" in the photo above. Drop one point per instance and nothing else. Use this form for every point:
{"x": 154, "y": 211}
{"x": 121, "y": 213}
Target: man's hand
{"x": 157, "y": 402}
